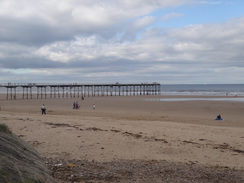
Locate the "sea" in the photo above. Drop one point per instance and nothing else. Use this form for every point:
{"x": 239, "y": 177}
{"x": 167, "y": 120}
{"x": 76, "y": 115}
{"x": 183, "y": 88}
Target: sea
{"x": 203, "y": 89}
{"x": 188, "y": 89}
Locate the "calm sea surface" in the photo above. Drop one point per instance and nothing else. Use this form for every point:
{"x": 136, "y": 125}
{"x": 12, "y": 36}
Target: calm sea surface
{"x": 204, "y": 89}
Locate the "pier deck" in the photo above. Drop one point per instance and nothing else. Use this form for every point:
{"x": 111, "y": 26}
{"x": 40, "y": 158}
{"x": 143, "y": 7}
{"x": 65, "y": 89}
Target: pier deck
{"x": 39, "y": 90}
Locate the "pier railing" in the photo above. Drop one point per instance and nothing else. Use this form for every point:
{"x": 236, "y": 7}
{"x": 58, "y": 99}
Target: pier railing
{"x": 72, "y": 90}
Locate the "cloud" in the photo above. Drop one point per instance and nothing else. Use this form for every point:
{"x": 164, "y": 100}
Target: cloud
{"x": 59, "y": 40}
{"x": 41, "y": 22}
{"x": 215, "y": 43}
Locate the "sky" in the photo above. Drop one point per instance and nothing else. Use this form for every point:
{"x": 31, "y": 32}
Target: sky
{"x": 125, "y": 41}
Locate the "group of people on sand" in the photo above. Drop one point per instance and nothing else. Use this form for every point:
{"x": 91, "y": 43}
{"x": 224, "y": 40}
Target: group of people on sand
{"x": 76, "y": 105}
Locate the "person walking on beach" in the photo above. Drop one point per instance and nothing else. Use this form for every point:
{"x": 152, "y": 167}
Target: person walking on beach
{"x": 93, "y": 106}
{"x": 43, "y": 108}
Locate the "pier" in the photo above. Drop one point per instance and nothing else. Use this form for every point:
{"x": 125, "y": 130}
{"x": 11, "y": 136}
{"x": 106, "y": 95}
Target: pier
{"x": 43, "y": 91}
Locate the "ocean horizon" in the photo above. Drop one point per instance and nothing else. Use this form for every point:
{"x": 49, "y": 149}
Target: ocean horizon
{"x": 203, "y": 89}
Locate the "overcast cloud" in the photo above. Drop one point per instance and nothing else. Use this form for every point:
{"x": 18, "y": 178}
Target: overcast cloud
{"x": 104, "y": 41}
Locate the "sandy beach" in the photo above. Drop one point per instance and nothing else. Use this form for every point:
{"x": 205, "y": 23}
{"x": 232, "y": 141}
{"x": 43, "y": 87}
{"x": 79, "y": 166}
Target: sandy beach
{"x": 132, "y": 128}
